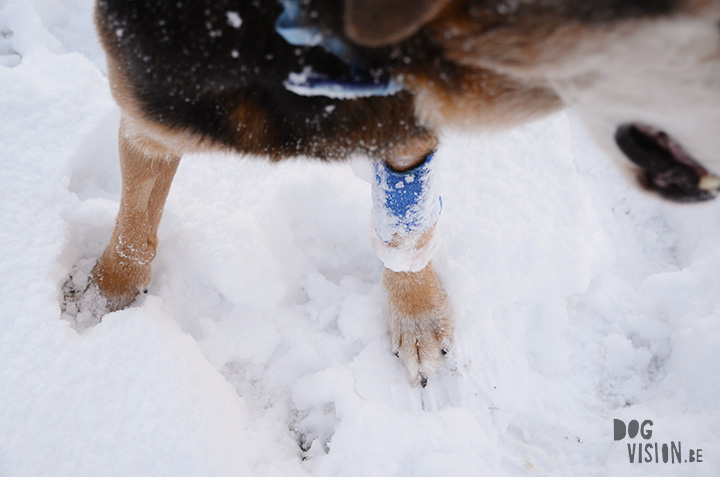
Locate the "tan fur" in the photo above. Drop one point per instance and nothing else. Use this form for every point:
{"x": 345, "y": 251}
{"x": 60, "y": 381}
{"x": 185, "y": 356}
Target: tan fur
{"x": 147, "y": 171}
{"x": 481, "y": 98}
{"x": 415, "y": 293}
{"x": 378, "y": 22}
{"x": 420, "y": 320}
{"x": 408, "y": 155}
{"x": 484, "y": 38}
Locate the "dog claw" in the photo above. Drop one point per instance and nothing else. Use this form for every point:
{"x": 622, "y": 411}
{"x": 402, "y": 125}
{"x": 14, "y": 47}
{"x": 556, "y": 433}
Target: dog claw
{"x": 444, "y": 351}
{"x": 423, "y": 381}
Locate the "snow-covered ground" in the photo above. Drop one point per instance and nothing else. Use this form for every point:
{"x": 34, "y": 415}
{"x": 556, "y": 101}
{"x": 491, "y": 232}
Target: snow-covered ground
{"x": 262, "y": 347}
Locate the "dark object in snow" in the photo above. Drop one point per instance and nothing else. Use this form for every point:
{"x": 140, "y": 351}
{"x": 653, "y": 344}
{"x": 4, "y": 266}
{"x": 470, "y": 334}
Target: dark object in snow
{"x": 666, "y": 167}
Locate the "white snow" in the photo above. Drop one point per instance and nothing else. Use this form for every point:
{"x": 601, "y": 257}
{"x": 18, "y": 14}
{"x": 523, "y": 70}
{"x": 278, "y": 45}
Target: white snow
{"x": 262, "y": 347}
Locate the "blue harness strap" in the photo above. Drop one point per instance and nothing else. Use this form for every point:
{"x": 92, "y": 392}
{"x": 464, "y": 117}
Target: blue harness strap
{"x": 311, "y": 83}
{"x": 288, "y": 26}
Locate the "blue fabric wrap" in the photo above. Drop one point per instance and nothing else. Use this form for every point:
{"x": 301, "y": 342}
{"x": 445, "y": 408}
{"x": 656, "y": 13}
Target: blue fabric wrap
{"x": 287, "y": 26}
{"x": 401, "y": 202}
{"x": 361, "y": 84}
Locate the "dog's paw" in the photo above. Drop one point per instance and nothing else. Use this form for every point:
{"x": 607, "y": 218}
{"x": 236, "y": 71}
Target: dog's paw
{"x": 94, "y": 289}
{"x": 120, "y": 281}
{"x": 420, "y": 321}
{"x": 421, "y": 341}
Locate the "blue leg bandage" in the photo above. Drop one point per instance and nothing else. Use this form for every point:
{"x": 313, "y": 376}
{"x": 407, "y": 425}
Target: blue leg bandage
{"x": 405, "y": 206}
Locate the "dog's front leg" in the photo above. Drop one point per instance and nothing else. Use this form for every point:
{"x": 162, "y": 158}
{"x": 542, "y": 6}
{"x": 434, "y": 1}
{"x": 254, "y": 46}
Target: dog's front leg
{"x": 406, "y": 207}
{"x": 147, "y": 170}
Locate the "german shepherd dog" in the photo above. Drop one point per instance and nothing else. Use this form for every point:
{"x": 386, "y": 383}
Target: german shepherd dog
{"x": 194, "y": 75}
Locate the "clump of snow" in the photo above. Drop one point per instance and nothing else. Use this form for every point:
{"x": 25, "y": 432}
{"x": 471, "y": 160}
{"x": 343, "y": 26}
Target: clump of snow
{"x": 309, "y": 83}
{"x": 233, "y": 19}
{"x": 83, "y": 306}
{"x": 262, "y": 347}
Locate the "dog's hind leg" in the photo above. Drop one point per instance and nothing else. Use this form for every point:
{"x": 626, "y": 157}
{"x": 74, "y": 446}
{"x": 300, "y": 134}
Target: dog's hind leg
{"x": 147, "y": 170}
{"x": 406, "y": 207}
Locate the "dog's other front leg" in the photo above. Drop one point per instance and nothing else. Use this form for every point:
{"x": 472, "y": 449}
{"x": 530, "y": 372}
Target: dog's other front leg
{"x": 406, "y": 207}
{"x": 147, "y": 170}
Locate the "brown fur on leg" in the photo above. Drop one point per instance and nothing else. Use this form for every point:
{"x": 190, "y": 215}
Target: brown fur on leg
{"x": 420, "y": 320}
{"x": 147, "y": 172}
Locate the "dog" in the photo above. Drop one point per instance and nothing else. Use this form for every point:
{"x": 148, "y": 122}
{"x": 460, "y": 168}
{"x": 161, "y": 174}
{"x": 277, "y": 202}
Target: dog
{"x": 335, "y": 78}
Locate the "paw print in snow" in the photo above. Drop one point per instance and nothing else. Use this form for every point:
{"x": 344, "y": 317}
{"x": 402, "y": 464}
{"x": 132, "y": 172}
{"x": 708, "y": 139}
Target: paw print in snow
{"x": 8, "y": 56}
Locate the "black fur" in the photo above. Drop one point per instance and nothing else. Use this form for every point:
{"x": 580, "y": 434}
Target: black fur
{"x": 189, "y": 68}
